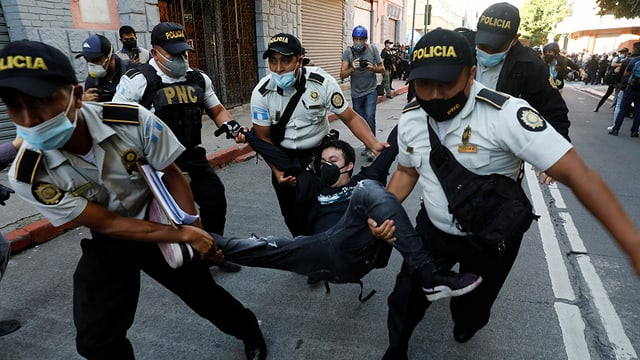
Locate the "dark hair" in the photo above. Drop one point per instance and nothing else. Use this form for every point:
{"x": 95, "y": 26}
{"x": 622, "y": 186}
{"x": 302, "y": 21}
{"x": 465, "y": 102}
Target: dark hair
{"x": 125, "y": 30}
{"x": 636, "y": 47}
{"x": 346, "y": 149}
{"x": 552, "y": 47}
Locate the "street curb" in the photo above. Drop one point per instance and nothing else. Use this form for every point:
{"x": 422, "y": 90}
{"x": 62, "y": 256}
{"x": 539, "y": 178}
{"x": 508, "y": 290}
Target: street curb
{"x": 42, "y": 230}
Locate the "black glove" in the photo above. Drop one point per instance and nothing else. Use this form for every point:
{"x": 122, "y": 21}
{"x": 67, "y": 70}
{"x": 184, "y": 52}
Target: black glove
{"x": 231, "y": 128}
{"x": 5, "y": 192}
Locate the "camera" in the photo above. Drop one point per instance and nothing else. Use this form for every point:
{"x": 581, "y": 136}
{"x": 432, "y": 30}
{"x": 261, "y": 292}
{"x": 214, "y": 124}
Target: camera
{"x": 105, "y": 94}
{"x": 364, "y": 63}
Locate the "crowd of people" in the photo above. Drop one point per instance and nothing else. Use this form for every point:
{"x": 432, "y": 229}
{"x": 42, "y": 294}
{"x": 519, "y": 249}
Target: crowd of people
{"x": 82, "y": 149}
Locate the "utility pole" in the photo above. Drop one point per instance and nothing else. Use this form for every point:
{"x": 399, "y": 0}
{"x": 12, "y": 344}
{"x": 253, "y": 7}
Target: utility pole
{"x": 413, "y": 23}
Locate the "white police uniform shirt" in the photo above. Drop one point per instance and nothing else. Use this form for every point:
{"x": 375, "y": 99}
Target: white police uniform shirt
{"x": 309, "y": 122}
{"x": 502, "y": 136}
{"x": 132, "y": 89}
{"x": 64, "y": 183}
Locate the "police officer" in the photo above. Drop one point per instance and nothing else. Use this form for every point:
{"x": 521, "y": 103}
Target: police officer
{"x": 559, "y": 65}
{"x": 76, "y": 164}
{"x": 289, "y": 108}
{"x": 484, "y": 130}
{"x": 509, "y": 67}
{"x": 105, "y": 69}
{"x": 178, "y": 95}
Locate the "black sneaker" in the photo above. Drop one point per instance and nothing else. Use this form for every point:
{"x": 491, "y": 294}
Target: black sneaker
{"x": 634, "y": 134}
{"x": 228, "y": 266}
{"x": 450, "y": 284}
{"x": 613, "y": 132}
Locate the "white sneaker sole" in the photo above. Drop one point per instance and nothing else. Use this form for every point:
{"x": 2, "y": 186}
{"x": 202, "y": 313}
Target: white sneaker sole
{"x": 175, "y": 253}
{"x": 443, "y": 291}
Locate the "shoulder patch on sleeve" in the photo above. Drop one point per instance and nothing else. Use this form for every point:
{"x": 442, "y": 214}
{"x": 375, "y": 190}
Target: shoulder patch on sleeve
{"x": 337, "y": 100}
{"x": 316, "y": 78}
{"x": 530, "y": 119}
{"x": 493, "y": 98}
{"x": 120, "y": 113}
{"x": 263, "y": 89}
{"x": 411, "y": 106}
{"x": 27, "y": 165}
{"x": 47, "y": 193}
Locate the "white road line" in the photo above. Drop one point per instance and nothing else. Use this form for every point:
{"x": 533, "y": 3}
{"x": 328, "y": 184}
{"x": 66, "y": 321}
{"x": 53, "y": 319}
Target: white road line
{"x": 555, "y": 194}
{"x": 575, "y": 241}
{"x": 572, "y": 327}
{"x": 612, "y": 324}
{"x": 572, "y": 331}
{"x": 558, "y": 273}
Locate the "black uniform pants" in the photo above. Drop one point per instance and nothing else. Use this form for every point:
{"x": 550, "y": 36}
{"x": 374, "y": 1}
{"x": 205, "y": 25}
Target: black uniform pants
{"x": 294, "y": 212}
{"x": 106, "y": 288}
{"x": 407, "y": 303}
{"x": 207, "y": 188}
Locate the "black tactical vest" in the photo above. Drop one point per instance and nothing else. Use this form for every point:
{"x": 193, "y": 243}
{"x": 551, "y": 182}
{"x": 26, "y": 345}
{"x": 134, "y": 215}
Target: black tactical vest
{"x": 180, "y": 105}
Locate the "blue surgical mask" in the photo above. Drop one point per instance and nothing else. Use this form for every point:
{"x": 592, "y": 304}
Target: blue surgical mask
{"x": 286, "y": 80}
{"x": 621, "y": 56}
{"x": 51, "y": 134}
{"x": 176, "y": 66}
{"x": 490, "y": 60}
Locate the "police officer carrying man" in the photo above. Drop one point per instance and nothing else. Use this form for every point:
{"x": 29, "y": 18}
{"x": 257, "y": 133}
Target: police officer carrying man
{"x": 105, "y": 69}
{"x": 289, "y": 108}
{"x": 76, "y": 164}
{"x": 178, "y": 95}
{"x": 484, "y": 130}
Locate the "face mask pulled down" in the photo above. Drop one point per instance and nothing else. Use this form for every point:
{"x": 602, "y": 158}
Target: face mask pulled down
{"x": 330, "y": 173}
{"x": 286, "y": 80}
{"x": 51, "y": 134}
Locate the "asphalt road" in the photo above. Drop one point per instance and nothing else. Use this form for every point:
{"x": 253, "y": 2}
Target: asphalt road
{"x": 304, "y": 322}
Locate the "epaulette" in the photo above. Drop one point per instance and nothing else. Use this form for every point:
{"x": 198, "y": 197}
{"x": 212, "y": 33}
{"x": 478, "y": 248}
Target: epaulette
{"x": 410, "y": 106}
{"x": 27, "y": 165}
{"x": 120, "y": 113}
{"x": 263, "y": 89}
{"x": 316, "y": 77}
{"x": 493, "y": 98}
{"x": 133, "y": 72}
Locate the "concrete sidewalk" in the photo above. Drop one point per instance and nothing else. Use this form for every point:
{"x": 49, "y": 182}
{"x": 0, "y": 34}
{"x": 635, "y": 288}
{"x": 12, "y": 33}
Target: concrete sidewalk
{"x": 24, "y": 227}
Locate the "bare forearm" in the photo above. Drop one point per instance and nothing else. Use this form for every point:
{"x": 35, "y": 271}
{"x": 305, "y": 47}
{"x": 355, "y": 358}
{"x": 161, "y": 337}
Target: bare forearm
{"x": 402, "y": 182}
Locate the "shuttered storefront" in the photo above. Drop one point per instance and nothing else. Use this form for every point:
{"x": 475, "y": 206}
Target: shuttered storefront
{"x": 7, "y": 129}
{"x": 322, "y": 23}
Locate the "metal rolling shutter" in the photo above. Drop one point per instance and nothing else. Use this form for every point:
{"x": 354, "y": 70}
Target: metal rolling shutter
{"x": 7, "y": 129}
{"x": 322, "y": 23}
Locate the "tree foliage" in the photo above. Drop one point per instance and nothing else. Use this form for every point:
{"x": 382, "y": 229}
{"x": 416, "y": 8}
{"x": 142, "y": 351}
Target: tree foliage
{"x": 539, "y": 17}
{"x": 627, "y": 9}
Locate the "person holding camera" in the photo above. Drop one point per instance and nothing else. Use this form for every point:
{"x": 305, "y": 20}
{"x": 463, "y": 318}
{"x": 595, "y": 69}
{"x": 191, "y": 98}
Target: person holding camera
{"x": 362, "y": 62}
{"x": 105, "y": 69}
{"x": 486, "y": 133}
{"x": 130, "y": 49}
{"x": 158, "y": 86}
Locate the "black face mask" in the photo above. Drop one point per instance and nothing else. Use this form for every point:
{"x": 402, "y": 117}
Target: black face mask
{"x": 444, "y": 109}
{"x": 330, "y": 173}
{"x": 130, "y": 44}
{"x": 549, "y": 58}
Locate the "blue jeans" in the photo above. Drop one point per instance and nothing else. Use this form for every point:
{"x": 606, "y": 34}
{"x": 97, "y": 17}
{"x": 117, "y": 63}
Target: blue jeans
{"x": 365, "y": 106}
{"x": 630, "y": 96}
{"x": 616, "y": 110}
{"x": 344, "y": 253}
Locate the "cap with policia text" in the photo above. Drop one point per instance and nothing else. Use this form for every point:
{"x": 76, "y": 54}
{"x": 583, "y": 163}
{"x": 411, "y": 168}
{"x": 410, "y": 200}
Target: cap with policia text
{"x": 285, "y": 44}
{"x": 498, "y": 24}
{"x": 95, "y": 46}
{"x": 171, "y": 37}
{"x": 440, "y": 55}
{"x": 34, "y": 68}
